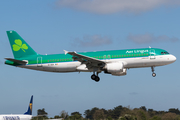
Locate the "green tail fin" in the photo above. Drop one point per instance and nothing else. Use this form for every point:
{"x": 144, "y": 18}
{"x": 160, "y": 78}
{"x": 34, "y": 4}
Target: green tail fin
{"x": 19, "y": 47}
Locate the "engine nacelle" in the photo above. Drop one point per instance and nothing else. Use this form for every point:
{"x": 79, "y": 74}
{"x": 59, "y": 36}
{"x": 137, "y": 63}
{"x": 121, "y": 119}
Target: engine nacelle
{"x": 114, "y": 67}
{"x": 120, "y": 73}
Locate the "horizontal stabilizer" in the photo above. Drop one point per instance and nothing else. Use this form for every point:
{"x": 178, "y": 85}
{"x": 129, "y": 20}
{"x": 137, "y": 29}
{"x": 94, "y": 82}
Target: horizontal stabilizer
{"x": 16, "y": 61}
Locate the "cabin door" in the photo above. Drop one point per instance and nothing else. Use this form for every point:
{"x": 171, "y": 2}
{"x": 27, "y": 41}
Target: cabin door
{"x": 39, "y": 61}
{"x": 152, "y": 54}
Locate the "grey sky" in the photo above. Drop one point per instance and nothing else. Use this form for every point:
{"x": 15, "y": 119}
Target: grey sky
{"x": 92, "y": 41}
{"x": 114, "y": 6}
{"x": 149, "y": 38}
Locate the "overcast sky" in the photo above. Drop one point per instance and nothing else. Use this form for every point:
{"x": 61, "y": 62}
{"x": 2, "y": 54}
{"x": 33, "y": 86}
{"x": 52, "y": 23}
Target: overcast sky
{"x": 51, "y": 26}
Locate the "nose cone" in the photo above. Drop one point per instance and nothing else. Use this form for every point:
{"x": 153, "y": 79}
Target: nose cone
{"x": 173, "y": 58}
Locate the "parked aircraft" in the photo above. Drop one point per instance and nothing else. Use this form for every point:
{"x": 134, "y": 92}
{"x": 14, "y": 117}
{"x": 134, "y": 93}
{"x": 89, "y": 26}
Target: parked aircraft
{"x": 114, "y": 62}
{"x": 26, "y": 116}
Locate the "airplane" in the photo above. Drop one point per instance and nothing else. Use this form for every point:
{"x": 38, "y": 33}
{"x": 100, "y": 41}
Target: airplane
{"x": 26, "y": 116}
{"x": 114, "y": 62}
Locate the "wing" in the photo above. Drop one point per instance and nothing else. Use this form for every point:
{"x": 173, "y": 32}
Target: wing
{"x": 89, "y": 61}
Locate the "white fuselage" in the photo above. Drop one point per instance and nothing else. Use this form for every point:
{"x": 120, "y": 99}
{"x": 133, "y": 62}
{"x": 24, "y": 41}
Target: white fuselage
{"x": 76, "y": 66}
{"x": 15, "y": 117}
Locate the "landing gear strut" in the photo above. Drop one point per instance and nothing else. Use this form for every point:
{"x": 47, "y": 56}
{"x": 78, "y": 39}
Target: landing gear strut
{"x": 95, "y": 77}
{"x": 153, "y": 74}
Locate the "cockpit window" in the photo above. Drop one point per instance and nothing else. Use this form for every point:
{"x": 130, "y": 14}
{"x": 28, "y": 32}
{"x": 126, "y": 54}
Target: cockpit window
{"x": 163, "y": 53}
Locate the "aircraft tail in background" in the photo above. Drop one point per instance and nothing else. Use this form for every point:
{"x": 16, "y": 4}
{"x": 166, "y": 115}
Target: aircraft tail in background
{"x": 29, "y": 111}
{"x": 19, "y": 47}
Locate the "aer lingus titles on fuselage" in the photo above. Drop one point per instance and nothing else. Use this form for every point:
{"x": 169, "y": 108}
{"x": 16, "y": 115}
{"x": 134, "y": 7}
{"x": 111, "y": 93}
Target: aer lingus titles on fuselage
{"x": 115, "y": 62}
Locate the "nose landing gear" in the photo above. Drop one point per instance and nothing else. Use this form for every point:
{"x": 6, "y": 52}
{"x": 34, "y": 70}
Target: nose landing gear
{"x": 153, "y": 74}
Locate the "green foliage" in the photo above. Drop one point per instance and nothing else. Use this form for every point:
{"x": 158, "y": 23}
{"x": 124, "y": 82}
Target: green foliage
{"x": 89, "y": 113}
{"x": 42, "y": 112}
{"x": 75, "y": 116}
{"x": 142, "y": 115}
{"x": 99, "y": 114}
{"x": 173, "y": 110}
{"x": 143, "y": 108}
{"x": 118, "y": 113}
{"x": 57, "y": 116}
{"x": 155, "y": 118}
{"x": 64, "y": 114}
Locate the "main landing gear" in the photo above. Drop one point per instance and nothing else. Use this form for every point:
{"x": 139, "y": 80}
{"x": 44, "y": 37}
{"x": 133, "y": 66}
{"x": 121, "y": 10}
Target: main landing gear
{"x": 95, "y": 77}
{"x": 153, "y": 74}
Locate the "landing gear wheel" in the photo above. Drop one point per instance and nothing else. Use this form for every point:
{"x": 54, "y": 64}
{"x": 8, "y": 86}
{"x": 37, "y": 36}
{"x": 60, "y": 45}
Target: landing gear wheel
{"x": 97, "y": 79}
{"x": 154, "y": 74}
{"x": 93, "y": 76}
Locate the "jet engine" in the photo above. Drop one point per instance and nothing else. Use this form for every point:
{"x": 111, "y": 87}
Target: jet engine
{"x": 115, "y": 68}
{"x": 120, "y": 73}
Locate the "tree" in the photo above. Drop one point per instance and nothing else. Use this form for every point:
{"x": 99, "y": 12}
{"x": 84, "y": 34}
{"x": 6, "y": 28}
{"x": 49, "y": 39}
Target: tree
{"x": 143, "y": 108}
{"x": 41, "y": 112}
{"x": 169, "y": 116}
{"x": 116, "y": 112}
{"x": 63, "y": 114}
{"x": 75, "y": 115}
{"x": 99, "y": 114}
{"x": 156, "y": 118}
{"x": 173, "y": 110}
{"x": 56, "y": 117}
{"x": 89, "y": 113}
{"x": 41, "y": 115}
{"x": 141, "y": 115}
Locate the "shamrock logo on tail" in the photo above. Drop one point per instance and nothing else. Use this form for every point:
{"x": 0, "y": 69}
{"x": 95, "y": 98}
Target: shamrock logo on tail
{"x": 18, "y": 45}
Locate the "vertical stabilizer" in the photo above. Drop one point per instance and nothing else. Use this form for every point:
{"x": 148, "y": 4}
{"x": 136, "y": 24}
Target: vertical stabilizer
{"x": 19, "y": 47}
{"x": 29, "y": 111}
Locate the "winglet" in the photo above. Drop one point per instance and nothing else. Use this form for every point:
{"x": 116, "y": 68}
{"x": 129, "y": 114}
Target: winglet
{"x": 66, "y": 52}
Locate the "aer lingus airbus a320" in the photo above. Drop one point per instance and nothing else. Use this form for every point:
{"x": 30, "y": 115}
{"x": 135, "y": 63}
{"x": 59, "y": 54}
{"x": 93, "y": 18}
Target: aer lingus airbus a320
{"x": 114, "y": 62}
